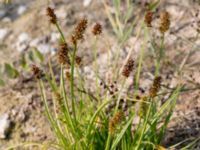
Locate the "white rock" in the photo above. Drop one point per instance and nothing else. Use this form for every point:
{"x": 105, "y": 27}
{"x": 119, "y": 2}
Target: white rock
{"x": 54, "y": 37}
{"x": 23, "y": 41}
{"x": 21, "y": 9}
{"x": 6, "y": 20}
{"x": 34, "y": 42}
{"x": 45, "y": 48}
{"x": 23, "y": 37}
{"x": 21, "y": 47}
{"x": 3, "y": 33}
{"x": 61, "y": 13}
{"x": 86, "y": 3}
{"x": 4, "y": 125}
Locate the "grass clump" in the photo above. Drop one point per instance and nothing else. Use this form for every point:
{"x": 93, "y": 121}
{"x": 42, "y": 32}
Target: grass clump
{"x": 80, "y": 120}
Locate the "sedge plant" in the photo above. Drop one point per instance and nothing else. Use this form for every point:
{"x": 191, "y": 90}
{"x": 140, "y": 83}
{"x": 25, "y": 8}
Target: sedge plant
{"x": 79, "y": 119}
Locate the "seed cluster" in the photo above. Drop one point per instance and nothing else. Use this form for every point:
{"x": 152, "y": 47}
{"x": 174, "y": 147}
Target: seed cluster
{"x": 148, "y": 18}
{"x": 78, "y": 60}
{"x": 58, "y": 99}
{"x": 116, "y": 119}
{"x": 62, "y": 54}
{"x": 37, "y": 73}
{"x": 97, "y": 29}
{"x": 128, "y": 68}
{"x": 143, "y": 106}
{"x": 155, "y": 87}
{"x": 79, "y": 31}
{"x": 164, "y": 21}
{"x": 68, "y": 75}
{"x": 52, "y": 15}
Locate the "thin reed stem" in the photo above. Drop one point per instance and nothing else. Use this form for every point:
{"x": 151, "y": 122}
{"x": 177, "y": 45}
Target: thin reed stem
{"x": 72, "y": 81}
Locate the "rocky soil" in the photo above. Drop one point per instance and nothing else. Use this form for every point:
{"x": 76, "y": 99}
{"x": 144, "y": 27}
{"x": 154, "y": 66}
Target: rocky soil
{"x": 23, "y": 25}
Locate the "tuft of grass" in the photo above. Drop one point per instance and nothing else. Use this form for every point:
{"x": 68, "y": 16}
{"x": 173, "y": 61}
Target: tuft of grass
{"x": 82, "y": 122}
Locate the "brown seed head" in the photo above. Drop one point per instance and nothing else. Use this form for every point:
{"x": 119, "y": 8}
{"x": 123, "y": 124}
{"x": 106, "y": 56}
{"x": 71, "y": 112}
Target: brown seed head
{"x": 52, "y": 15}
{"x": 59, "y": 103}
{"x": 79, "y": 31}
{"x": 78, "y": 60}
{"x": 155, "y": 87}
{"x": 58, "y": 97}
{"x": 97, "y": 29}
{"x": 62, "y": 54}
{"x": 116, "y": 119}
{"x": 68, "y": 75}
{"x": 148, "y": 18}
{"x": 164, "y": 21}
{"x": 37, "y": 73}
{"x": 143, "y": 106}
{"x": 128, "y": 68}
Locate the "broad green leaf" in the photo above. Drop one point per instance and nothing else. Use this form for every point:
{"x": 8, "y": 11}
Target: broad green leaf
{"x": 10, "y": 71}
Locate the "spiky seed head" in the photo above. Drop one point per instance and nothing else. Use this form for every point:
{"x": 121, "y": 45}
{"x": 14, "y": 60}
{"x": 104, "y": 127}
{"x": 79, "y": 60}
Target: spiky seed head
{"x": 68, "y": 75}
{"x": 148, "y": 18}
{"x": 52, "y": 15}
{"x": 62, "y": 54}
{"x": 128, "y": 68}
{"x": 143, "y": 106}
{"x": 114, "y": 121}
{"x": 37, "y": 73}
{"x": 78, "y": 60}
{"x": 155, "y": 87}
{"x": 97, "y": 29}
{"x": 164, "y": 21}
{"x": 79, "y": 31}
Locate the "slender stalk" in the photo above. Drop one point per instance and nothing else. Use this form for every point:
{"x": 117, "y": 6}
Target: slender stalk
{"x": 50, "y": 117}
{"x": 108, "y": 142}
{"x": 72, "y": 81}
{"x": 96, "y": 68}
{"x": 144, "y": 128}
{"x": 61, "y": 33}
{"x": 160, "y": 57}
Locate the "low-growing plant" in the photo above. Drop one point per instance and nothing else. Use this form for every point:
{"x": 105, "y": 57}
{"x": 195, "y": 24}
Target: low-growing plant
{"x": 81, "y": 120}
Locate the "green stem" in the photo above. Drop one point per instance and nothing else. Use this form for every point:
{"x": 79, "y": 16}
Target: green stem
{"x": 144, "y": 128}
{"x": 72, "y": 81}
{"x": 108, "y": 142}
{"x": 96, "y": 68}
{"x": 160, "y": 57}
{"x": 61, "y": 33}
{"x": 50, "y": 117}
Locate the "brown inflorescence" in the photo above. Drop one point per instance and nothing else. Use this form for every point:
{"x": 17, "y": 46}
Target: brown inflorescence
{"x": 52, "y": 15}
{"x": 97, "y": 29}
{"x": 68, "y": 75}
{"x": 37, "y": 73}
{"x": 128, "y": 68}
{"x": 79, "y": 31}
{"x": 148, "y": 18}
{"x": 143, "y": 106}
{"x": 78, "y": 60}
{"x": 155, "y": 87}
{"x": 164, "y": 21}
{"x": 59, "y": 102}
{"x": 116, "y": 119}
{"x": 62, "y": 54}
